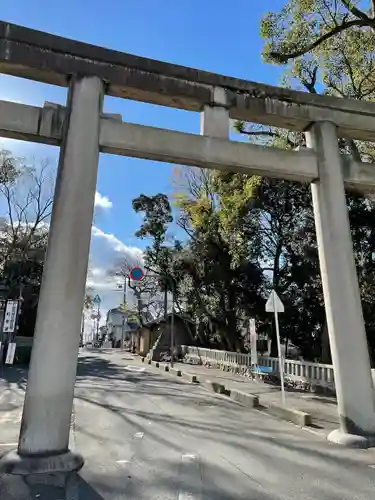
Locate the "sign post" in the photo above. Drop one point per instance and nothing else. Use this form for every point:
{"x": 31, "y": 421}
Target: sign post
{"x": 9, "y": 327}
{"x": 275, "y": 305}
{"x": 97, "y": 300}
{"x": 253, "y": 344}
{"x": 123, "y": 307}
{"x": 137, "y": 274}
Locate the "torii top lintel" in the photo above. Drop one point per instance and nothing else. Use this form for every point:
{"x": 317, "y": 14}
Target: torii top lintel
{"x": 52, "y": 59}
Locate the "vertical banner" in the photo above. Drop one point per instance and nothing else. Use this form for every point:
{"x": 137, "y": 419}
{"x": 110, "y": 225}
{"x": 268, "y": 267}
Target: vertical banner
{"x": 10, "y": 353}
{"x": 253, "y": 342}
{"x": 10, "y": 318}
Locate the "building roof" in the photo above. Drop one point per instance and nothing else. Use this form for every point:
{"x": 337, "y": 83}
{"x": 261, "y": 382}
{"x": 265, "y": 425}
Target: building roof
{"x": 162, "y": 320}
{"x": 116, "y": 310}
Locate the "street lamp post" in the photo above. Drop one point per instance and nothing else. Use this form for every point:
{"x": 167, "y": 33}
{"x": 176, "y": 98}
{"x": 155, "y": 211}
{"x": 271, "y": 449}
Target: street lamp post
{"x": 83, "y": 327}
{"x": 123, "y": 312}
{"x": 173, "y": 290}
{"x": 124, "y": 305}
{"x": 97, "y": 300}
{"x": 172, "y": 320}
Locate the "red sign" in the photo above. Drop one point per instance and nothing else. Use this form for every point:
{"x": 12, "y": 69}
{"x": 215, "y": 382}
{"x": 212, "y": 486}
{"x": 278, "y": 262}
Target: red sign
{"x": 136, "y": 274}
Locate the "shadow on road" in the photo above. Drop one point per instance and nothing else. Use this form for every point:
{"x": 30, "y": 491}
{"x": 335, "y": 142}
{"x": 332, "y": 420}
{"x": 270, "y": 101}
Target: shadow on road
{"x": 176, "y": 418}
{"x": 12, "y": 375}
{"x": 94, "y": 366}
{"x": 47, "y": 487}
{"x": 231, "y": 429}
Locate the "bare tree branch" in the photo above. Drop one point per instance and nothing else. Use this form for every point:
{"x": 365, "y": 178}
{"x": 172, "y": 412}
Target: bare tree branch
{"x": 28, "y": 200}
{"x": 283, "y": 58}
{"x": 269, "y": 133}
{"x": 355, "y": 11}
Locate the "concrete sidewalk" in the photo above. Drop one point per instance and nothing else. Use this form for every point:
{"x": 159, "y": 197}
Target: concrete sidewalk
{"x": 13, "y": 381}
{"x": 322, "y": 409}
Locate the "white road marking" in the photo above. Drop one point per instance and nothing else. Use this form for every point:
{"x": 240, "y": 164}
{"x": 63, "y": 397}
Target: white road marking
{"x": 8, "y": 444}
{"x": 11, "y": 416}
{"x": 372, "y": 466}
{"x": 122, "y": 461}
{"x": 190, "y": 478}
{"x": 4, "y": 393}
{"x": 139, "y": 435}
{"x": 135, "y": 369}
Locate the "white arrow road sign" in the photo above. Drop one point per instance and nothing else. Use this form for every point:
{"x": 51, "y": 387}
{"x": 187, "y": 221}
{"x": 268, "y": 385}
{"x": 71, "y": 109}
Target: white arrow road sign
{"x": 275, "y": 305}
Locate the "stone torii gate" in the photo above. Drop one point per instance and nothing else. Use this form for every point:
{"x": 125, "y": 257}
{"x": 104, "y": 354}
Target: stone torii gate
{"x": 82, "y": 130}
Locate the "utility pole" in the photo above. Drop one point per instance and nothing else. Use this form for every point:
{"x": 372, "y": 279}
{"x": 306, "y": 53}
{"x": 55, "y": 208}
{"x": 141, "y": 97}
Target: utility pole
{"x": 166, "y": 302}
{"x": 97, "y": 300}
{"x": 171, "y": 281}
{"x": 123, "y": 308}
{"x": 83, "y": 327}
{"x": 172, "y": 320}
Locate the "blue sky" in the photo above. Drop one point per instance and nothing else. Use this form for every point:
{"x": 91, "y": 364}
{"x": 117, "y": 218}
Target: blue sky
{"x": 215, "y": 36}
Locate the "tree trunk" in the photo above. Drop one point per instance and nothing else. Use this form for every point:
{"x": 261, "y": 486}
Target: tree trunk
{"x": 274, "y": 352}
{"x": 325, "y": 347}
{"x": 166, "y": 303}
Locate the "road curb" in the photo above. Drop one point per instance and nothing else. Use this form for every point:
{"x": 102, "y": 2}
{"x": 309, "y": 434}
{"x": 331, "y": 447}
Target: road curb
{"x": 189, "y": 377}
{"x": 175, "y": 371}
{"x": 214, "y": 386}
{"x": 297, "y": 417}
{"x": 245, "y": 398}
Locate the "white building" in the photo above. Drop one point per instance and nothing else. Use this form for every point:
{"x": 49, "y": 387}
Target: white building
{"x": 118, "y": 326}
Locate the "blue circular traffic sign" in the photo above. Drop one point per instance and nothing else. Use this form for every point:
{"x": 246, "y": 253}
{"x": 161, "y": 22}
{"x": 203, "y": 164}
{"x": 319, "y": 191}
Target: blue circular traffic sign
{"x": 136, "y": 274}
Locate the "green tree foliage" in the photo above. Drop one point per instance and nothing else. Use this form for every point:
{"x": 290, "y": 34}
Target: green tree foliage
{"x": 246, "y": 234}
{"x": 328, "y": 46}
{"x": 214, "y": 275}
{"x": 160, "y": 255}
{"x": 304, "y": 27}
{"x": 157, "y": 216}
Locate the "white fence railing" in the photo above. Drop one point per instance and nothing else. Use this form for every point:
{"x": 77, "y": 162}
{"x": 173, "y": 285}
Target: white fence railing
{"x": 315, "y": 373}
{"x": 302, "y": 370}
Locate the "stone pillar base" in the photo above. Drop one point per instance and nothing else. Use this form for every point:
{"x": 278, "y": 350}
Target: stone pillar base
{"x": 14, "y": 463}
{"x": 351, "y": 440}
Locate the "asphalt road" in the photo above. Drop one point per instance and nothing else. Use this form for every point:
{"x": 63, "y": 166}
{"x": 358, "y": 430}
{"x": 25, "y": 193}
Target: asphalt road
{"x": 148, "y": 435}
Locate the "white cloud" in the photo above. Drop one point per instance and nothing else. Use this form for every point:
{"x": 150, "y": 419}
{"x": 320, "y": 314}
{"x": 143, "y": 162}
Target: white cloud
{"x": 99, "y": 279}
{"x": 97, "y": 272}
{"x": 116, "y": 245}
{"x": 102, "y": 201}
{"x": 105, "y": 252}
